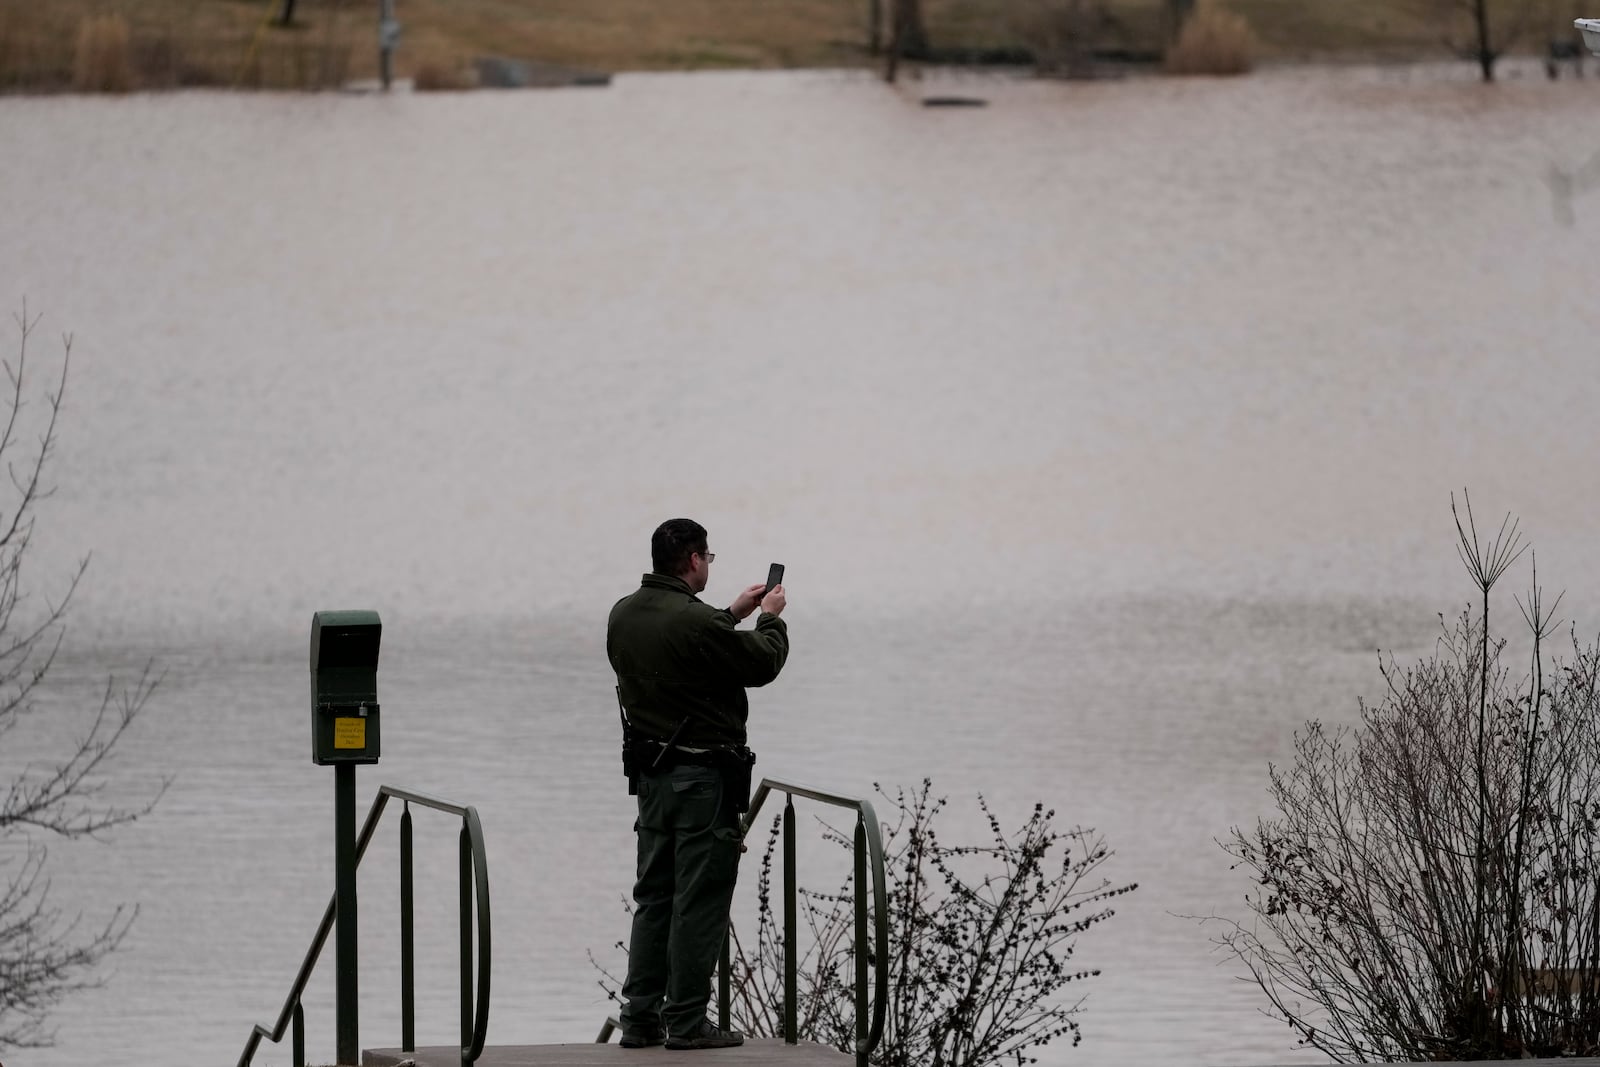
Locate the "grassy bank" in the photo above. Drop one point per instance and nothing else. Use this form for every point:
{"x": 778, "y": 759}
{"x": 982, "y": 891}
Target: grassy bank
{"x": 44, "y": 44}
{"x": 118, "y": 44}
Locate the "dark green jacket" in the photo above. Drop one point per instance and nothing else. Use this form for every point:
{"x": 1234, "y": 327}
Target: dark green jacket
{"x": 678, "y": 658}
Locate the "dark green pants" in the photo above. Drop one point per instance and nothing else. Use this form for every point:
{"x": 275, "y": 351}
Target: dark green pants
{"x": 688, "y": 860}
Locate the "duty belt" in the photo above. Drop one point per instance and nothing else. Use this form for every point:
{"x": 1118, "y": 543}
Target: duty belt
{"x": 659, "y": 756}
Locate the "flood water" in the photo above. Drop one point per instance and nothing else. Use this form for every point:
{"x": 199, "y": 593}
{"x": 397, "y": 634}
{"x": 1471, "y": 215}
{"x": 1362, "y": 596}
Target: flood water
{"x": 1108, "y": 433}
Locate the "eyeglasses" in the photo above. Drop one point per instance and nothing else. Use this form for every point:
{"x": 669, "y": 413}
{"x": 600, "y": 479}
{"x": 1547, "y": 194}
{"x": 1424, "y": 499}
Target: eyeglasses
{"x": 709, "y": 557}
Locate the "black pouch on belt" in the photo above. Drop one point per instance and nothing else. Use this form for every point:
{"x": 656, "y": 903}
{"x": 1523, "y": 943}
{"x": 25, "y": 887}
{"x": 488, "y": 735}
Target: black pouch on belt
{"x": 736, "y": 773}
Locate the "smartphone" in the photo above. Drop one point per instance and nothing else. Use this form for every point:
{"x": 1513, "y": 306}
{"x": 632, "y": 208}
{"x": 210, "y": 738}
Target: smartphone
{"x": 774, "y": 577}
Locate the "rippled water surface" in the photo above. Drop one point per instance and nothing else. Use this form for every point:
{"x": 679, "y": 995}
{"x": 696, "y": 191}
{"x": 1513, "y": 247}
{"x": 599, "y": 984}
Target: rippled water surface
{"x": 1107, "y": 432}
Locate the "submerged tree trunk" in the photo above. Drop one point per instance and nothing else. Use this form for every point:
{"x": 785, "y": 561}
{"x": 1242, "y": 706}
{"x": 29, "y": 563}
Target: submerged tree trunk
{"x": 913, "y": 31}
{"x": 908, "y": 35}
{"x": 1486, "y": 56}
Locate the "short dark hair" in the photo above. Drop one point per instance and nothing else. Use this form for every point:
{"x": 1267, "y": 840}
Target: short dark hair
{"x": 673, "y": 543}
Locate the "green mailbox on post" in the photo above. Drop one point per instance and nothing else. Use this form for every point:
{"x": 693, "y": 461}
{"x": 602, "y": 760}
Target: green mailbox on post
{"x": 344, "y": 687}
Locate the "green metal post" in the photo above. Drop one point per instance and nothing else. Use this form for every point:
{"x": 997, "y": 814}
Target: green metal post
{"x": 408, "y": 953}
{"x": 861, "y": 942}
{"x": 344, "y": 867}
{"x": 791, "y": 1028}
{"x": 466, "y": 942}
{"x": 299, "y": 1041}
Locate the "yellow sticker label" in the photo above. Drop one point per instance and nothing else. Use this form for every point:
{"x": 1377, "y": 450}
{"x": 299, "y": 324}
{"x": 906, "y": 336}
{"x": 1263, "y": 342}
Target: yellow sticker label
{"x": 349, "y": 733}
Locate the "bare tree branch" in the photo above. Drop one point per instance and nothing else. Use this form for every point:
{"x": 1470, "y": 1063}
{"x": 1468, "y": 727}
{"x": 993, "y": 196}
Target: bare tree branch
{"x": 45, "y": 955}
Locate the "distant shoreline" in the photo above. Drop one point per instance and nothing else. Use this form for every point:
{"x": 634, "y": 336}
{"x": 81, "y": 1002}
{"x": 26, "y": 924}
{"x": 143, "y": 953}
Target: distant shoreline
{"x": 139, "y": 45}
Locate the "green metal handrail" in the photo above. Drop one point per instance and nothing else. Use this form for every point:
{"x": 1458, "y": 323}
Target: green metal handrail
{"x": 868, "y": 851}
{"x": 474, "y": 874}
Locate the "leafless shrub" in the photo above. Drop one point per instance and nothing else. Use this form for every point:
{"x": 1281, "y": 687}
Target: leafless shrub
{"x": 1428, "y": 888}
{"x": 980, "y": 940}
{"x": 1213, "y": 41}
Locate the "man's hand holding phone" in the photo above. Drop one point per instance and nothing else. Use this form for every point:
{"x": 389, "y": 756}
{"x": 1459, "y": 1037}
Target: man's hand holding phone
{"x": 748, "y": 600}
{"x": 768, "y": 595}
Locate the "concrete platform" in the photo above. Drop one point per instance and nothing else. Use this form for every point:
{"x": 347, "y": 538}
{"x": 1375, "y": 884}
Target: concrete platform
{"x": 756, "y": 1052}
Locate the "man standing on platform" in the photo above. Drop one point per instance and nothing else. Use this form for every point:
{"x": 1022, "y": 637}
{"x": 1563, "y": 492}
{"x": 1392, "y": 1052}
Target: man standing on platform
{"x": 682, "y": 669}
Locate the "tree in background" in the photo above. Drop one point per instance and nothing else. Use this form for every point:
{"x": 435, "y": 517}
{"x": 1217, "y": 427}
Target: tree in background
{"x": 55, "y": 788}
{"x": 981, "y": 939}
{"x": 908, "y": 34}
{"x": 1482, "y": 30}
{"x": 1063, "y": 36}
{"x": 1430, "y": 886}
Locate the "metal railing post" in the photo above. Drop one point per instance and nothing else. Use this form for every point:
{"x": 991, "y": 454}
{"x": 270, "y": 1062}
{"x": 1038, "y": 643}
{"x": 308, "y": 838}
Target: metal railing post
{"x": 346, "y": 997}
{"x": 861, "y": 941}
{"x": 408, "y": 944}
{"x": 472, "y": 834}
{"x": 791, "y": 1028}
{"x": 299, "y": 1041}
{"x": 466, "y": 943}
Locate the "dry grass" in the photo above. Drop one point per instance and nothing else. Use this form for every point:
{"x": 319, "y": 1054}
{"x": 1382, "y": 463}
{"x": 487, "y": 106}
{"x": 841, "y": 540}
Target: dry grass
{"x": 645, "y": 34}
{"x": 1212, "y": 41}
{"x": 28, "y": 48}
{"x": 286, "y": 61}
{"x": 442, "y": 73}
{"x": 102, "y": 62}
{"x": 117, "y": 45}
